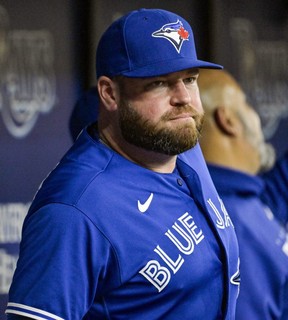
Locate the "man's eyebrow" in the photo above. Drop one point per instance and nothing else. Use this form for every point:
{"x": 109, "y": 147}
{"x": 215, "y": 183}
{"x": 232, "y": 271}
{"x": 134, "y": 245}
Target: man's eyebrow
{"x": 193, "y": 71}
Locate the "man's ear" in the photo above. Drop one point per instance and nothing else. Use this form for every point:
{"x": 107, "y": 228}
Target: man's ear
{"x": 107, "y": 89}
{"x": 226, "y": 121}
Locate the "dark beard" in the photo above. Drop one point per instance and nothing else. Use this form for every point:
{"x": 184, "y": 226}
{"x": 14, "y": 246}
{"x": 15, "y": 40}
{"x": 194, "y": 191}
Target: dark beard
{"x": 146, "y": 135}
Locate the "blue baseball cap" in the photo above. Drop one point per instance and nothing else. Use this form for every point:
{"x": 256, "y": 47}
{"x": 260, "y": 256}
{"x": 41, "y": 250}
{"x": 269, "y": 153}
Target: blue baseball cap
{"x": 148, "y": 43}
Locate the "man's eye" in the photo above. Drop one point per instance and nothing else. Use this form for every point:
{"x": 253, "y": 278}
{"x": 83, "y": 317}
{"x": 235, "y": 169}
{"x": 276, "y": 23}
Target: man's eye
{"x": 158, "y": 83}
{"x": 155, "y": 84}
{"x": 190, "y": 80}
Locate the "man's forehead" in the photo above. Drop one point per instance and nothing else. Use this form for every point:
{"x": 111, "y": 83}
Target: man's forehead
{"x": 178, "y": 74}
{"x": 137, "y": 85}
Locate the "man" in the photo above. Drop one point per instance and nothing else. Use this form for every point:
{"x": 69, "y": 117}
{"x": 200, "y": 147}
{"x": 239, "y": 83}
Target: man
{"x": 123, "y": 228}
{"x": 234, "y": 147}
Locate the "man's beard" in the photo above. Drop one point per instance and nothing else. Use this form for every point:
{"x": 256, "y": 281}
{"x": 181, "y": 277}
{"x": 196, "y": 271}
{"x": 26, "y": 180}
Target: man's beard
{"x": 153, "y": 137}
{"x": 266, "y": 151}
{"x": 267, "y": 157}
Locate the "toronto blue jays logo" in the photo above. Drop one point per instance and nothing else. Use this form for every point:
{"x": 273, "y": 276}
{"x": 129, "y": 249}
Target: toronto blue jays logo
{"x": 173, "y": 32}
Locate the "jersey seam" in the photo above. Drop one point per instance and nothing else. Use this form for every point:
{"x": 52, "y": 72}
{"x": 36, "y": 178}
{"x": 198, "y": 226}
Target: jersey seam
{"x": 91, "y": 180}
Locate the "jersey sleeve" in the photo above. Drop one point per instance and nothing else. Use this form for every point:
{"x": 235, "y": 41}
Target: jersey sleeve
{"x": 284, "y": 314}
{"x": 276, "y": 187}
{"x": 62, "y": 263}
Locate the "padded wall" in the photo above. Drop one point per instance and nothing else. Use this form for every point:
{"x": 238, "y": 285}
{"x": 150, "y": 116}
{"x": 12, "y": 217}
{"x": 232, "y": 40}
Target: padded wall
{"x": 39, "y": 86}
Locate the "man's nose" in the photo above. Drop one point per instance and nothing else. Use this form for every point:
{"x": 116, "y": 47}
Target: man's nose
{"x": 180, "y": 95}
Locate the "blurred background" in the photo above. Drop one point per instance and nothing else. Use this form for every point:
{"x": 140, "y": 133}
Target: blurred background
{"x": 47, "y": 53}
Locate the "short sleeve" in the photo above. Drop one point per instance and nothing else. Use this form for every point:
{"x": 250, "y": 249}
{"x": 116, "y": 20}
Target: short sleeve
{"x": 63, "y": 261}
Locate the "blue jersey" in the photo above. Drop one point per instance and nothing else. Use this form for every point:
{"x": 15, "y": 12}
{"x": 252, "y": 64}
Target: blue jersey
{"x": 108, "y": 239}
{"x": 263, "y": 245}
{"x": 275, "y": 192}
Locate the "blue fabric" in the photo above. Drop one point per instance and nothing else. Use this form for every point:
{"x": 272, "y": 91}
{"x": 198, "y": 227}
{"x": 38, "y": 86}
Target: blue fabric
{"x": 263, "y": 242}
{"x": 275, "y": 194}
{"x": 148, "y": 43}
{"x": 88, "y": 252}
{"x": 84, "y": 112}
{"x": 16, "y": 317}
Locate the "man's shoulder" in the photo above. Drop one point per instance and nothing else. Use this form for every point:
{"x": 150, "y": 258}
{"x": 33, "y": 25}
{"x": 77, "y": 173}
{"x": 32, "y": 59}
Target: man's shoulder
{"x": 85, "y": 163}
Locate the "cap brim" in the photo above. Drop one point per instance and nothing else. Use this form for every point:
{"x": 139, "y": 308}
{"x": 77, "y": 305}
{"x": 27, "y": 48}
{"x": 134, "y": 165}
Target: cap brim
{"x": 167, "y": 67}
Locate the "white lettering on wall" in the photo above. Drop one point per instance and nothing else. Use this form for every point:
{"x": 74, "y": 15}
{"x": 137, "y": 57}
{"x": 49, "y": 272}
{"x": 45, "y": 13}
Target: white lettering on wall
{"x": 11, "y": 221}
{"x": 7, "y": 267}
{"x": 28, "y": 82}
